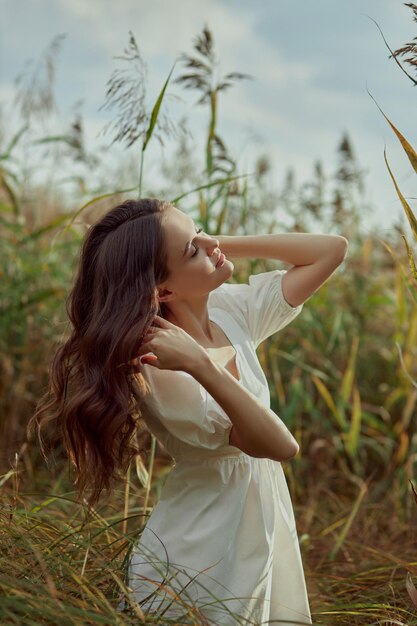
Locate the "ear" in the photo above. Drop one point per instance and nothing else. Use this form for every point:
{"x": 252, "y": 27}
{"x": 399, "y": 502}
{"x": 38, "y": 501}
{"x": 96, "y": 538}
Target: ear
{"x": 164, "y": 295}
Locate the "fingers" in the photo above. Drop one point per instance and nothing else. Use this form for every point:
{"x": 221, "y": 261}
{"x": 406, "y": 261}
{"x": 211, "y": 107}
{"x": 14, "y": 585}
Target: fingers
{"x": 150, "y": 332}
{"x": 148, "y": 359}
{"x": 145, "y": 343}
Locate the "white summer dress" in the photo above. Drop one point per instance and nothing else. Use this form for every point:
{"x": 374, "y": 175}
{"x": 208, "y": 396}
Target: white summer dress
{"x": 222, "y": 537}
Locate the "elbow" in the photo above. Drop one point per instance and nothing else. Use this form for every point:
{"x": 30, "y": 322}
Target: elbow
{"x": 341, "y": 248}
{"x": 336, "y": 253}
{"x": 292, "y": 453}
{"x": 274, "y": 451}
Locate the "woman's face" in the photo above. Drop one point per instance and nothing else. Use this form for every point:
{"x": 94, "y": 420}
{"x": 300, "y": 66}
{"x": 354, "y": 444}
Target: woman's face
{"x": 192, "y": 258}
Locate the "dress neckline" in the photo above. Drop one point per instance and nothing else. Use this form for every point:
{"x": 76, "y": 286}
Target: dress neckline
{"x": 235, "y": 346}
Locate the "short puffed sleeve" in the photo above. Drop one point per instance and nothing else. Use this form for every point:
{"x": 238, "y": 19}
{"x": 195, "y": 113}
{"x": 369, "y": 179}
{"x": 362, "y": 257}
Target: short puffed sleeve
{"x": 181, "y": 405}
{"x": 259, "y": 305}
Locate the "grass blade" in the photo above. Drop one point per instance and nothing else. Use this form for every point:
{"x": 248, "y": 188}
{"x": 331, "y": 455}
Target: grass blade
{"x": 409, "y": 150}
{"x": 353, "y": 437}
{"x": 76, "y": 213}
{"x": 155, "y": 111}
{"x": 349, "y": 521}
{"x": 220, "y": 181}
{"x": 410, "y": 215}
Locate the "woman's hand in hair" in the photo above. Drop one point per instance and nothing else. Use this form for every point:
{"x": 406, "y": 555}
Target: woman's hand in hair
{"x": 172, "y": 347}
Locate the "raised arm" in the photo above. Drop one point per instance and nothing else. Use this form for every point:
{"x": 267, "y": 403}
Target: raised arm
{"x": 256, "y": 429}
{"x": 314, "y": 257}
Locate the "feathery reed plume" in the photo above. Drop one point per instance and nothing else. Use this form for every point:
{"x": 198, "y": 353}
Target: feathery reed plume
{"x": 199, "y": 75}
{"x": 409, "y": 48}
{"x": 126, "y": 91}
{"x": 35, "y": 89}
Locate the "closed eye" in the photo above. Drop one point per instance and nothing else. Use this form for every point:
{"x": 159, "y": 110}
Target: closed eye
{"x": 196, "y": 247}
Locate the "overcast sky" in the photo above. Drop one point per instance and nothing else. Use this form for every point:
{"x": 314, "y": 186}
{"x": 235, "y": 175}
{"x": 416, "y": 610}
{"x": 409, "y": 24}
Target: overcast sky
{"x": 311, "y": 60}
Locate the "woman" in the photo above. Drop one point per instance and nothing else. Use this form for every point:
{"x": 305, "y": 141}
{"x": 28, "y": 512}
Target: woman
{"x": 222, "y": 539}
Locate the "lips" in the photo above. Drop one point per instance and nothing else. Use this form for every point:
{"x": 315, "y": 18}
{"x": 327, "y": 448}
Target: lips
{"x": 220, "y": 259}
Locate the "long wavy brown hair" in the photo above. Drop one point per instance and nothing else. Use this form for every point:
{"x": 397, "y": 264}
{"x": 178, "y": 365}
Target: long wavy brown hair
{"x": 95, "y": 388}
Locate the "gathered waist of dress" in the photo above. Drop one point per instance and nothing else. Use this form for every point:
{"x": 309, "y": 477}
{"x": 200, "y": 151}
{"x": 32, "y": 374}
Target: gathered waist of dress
{"x": 202, "y": 455}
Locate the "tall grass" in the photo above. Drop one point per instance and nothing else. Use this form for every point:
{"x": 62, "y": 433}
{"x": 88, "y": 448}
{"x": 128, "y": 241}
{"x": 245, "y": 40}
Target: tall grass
{"x": 342, "y": 377}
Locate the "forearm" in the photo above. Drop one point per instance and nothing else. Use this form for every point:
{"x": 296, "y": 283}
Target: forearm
{"x": 294, "y": 248}
{"x": 261, "y": 432}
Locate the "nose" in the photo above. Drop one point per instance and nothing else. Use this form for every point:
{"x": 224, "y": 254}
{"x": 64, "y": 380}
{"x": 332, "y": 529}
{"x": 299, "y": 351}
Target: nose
{"x": 215, "y": 244}
{"x": 211, "y": 243}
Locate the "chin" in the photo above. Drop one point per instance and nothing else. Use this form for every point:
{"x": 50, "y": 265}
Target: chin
{"x": 226, "y": 269}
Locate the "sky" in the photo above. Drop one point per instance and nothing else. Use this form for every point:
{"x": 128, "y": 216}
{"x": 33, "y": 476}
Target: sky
{"x": 312, "y": 62}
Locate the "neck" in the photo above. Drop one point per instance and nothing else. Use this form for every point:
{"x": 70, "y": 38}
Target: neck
{"x": 199, "y": 327}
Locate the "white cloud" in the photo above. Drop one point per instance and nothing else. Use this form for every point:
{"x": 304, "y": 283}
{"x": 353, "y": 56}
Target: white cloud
{"x": 301, "y": 100}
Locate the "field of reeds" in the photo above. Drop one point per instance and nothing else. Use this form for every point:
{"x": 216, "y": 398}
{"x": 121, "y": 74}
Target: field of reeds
{"x": 342, "y": 377}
